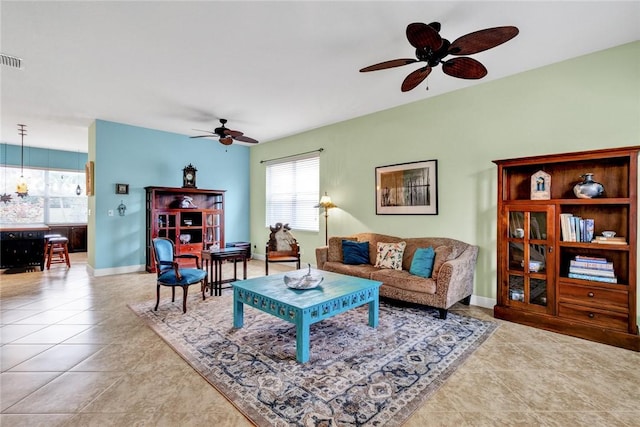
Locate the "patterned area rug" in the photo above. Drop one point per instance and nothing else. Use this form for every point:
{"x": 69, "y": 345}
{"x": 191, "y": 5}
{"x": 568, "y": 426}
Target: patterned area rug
{"x": 356, "y": 375}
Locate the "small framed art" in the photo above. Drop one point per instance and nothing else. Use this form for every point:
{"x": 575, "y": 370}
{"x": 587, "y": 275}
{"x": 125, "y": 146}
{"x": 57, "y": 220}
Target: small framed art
{"x": 540, "y": 186}
{"x": 407, "y": 188}
{"x": 122, "y": 188}
{"x": 88, "y": 175}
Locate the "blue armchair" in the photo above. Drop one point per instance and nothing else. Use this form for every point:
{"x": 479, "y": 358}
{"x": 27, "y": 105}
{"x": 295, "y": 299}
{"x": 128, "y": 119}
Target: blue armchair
{"x": 170, "y": 273}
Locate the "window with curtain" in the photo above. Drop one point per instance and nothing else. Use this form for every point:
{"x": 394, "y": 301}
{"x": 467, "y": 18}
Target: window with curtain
{"x": 293, "y": 192}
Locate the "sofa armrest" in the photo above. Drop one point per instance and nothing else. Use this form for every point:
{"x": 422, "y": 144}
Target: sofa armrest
{"x": 321, "y": 256}
{"x": 455, "y": 278}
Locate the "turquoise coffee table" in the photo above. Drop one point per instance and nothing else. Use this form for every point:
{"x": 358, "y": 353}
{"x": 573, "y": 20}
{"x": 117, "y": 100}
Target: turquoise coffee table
{"x": 336, "y": 294}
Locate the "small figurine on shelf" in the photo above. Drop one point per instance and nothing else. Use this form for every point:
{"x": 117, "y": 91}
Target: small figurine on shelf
{"x": 187, "y": 203}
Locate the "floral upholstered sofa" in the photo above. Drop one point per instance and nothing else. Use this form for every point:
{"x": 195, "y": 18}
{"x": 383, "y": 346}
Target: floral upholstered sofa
{"x": 449, "y": 280}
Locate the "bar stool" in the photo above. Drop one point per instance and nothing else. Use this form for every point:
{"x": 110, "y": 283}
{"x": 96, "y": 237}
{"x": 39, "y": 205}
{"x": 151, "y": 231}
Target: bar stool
{"x": 57, "y": 251}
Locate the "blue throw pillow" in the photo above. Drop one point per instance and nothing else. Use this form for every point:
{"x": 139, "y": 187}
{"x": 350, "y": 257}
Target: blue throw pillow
{"x": 422, "y": 262}
{"x": 355, "y": 253}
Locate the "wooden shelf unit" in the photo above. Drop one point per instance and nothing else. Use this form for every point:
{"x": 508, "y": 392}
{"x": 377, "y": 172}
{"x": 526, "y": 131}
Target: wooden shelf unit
{"x": 202, "y": 221}
{"x": 533, "y": 284}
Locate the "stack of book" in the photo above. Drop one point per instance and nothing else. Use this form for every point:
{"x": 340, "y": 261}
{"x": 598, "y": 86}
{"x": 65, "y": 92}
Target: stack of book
{"x": 616, "y": 240}
{"x": 575, "y": 228}
{"x": 592, "y": 268}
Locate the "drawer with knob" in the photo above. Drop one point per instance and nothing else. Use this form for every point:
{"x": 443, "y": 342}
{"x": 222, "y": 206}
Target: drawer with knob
{"x": 604, "y": 318}
{"x": 594, "y": 296}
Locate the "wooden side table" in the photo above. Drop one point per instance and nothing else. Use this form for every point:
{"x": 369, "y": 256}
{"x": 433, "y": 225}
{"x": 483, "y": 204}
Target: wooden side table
{"x": 212, "y": 261}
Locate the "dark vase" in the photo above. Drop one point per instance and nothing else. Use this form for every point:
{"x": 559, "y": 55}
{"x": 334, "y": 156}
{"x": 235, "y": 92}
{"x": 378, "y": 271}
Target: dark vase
{"x": 588, "y": 188}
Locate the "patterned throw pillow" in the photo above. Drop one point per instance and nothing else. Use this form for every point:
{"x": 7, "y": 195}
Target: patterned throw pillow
{"x": 389, "y": 255}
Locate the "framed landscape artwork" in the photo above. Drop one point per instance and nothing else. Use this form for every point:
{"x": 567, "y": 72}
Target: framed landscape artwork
{"x": 407, "y": 188}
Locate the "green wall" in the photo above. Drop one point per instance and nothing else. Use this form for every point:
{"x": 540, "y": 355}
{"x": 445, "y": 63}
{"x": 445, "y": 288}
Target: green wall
{"x": 585, "y": 103}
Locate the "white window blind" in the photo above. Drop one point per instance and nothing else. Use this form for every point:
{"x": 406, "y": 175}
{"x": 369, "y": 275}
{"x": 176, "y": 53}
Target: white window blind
{"x": 293, "y": 191}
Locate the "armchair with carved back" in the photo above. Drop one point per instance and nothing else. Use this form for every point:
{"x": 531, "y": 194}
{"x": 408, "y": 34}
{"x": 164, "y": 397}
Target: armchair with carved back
{"x": 281, "y": 247}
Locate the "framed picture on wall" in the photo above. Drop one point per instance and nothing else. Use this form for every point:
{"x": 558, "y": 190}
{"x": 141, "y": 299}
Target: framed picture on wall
{"x": 88, "y": 174}
{"x": 407, "y": 188}
{"x": 122, "y": 188}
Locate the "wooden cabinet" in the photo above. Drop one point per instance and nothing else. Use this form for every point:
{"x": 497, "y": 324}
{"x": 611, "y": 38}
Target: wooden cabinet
{"x": 192, "y": 218}
{"x": 22, "y": 247}
{"x": 538, "y": 258}
{"x": 76, "y": 233}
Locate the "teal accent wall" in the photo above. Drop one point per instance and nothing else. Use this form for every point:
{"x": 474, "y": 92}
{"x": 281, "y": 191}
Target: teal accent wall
{"x": 144, "y": 157}
{"x": 588, "y": 102}
{"x": 43, "y": 158}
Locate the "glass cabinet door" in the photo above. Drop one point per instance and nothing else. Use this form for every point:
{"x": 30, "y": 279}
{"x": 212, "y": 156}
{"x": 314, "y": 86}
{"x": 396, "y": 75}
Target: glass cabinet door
{"x": 166, "y": 225}
{"x": 530, "y": 257}
{"x": 213, "y": 231}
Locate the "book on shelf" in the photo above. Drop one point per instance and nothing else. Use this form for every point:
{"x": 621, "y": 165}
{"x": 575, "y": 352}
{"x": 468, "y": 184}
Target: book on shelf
{"x": 589, "y": 225}
{"x": 592, "y": 265}
{"x": 619, "y": 240}
{"x": 593, "y": 278}
{"x": 576, "y": 229}
{"x": 592, "y": 271}
{"x": 591, "y": 259}
{"x": 564, "y": 226}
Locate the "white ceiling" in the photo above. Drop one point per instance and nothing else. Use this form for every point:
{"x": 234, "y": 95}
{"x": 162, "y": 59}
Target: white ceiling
{"x": 272, "y": 68}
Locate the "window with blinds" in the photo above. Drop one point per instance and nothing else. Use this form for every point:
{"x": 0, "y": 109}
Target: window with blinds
{"x": 293, "y": 191}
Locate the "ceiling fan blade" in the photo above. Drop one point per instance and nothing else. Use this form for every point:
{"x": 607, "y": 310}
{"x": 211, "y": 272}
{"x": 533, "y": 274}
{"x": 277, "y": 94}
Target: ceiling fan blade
{"x": 389, "y": 64}
{"x": 232, "y": 133}
{"x": 464, "y": 68}
{"x": 479, "y": 41}
{"x": 421, "y": 35}
{"x": 202, "y": 136}
{"x": 227, "y": 140}
{"x": 415, "y": 78}
{"x": 244, "y": 138}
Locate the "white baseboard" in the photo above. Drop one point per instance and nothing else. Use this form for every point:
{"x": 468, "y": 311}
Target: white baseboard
{"x": 115, "y": 270}
{"x": 483, "y": 301}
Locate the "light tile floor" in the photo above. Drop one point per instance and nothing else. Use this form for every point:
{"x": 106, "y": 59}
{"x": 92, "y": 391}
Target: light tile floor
{"x": 73, "y": 354}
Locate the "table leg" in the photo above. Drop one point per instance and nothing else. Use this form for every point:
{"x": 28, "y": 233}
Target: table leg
{"x": 244, "y": 267}
{"x": 235, "y": 268}
{"x": 218, "y": 277}
{"x": 302, "y": 340}
{"x": 238, "y": 313}
{"x": 373, "y": 313}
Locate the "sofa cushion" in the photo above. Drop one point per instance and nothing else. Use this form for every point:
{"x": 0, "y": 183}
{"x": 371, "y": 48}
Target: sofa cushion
{"x": 390, "y": 255}
{"x": 355, "y": 253}
{"x": 363, "y": 270}
{"x": 404, "y": 280}
{"x": 422, "y": 264}
{"x": 443, "y": 254}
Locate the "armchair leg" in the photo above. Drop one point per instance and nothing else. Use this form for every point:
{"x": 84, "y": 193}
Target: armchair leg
{"x": 204, "y": 288}
{"x": 266, "y": 267}
{"x": 185, "y": 291}
{"x": 173, "y": 294}
{"x": 157, "y": 298}
{"x": 443, "y": 313}
{"x": 466, "y": 300}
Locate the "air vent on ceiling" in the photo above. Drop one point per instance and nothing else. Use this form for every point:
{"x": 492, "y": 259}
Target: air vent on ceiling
{"x": 11, "y": 61}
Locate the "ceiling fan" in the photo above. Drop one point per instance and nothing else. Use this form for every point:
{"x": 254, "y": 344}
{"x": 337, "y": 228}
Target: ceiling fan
{"x": 432, "y": 49}
{"x": 225, "y": 135}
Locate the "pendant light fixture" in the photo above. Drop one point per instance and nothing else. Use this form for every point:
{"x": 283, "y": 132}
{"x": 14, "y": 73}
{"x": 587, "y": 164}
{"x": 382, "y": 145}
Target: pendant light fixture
{"x": 21, "y": 189}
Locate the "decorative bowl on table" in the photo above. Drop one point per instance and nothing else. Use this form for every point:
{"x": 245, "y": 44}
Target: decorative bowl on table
{"x": 608, "y": 233}
{"x": 300, "y": 280}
